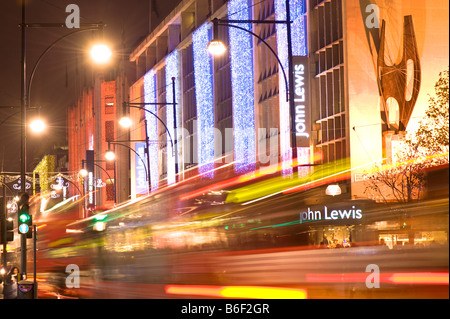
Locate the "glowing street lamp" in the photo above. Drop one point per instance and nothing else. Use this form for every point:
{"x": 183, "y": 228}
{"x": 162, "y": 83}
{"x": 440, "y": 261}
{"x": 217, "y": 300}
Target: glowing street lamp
{"x": 101, "y": 53}
{"x": 83, "y": 172}
{"x": 110, "y": 156}
{"x": 333, "y": 190}
{"x": 38, "y": 126}
{"x": 216, "y": 47}
{"x": 125, "y": 122}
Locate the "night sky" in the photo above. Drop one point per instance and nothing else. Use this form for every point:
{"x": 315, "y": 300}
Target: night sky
{"x": 56, "y": 81}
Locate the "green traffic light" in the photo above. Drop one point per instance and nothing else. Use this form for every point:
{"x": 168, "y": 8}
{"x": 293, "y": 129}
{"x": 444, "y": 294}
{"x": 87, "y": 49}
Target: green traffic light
{"x": 24, "y": 218}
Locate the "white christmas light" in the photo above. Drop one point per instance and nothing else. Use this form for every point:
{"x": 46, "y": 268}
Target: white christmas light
{"x": 172, "y": 70}
{"x": 204, "y": 97}
{"x": 152, "y": 125}
{"x": 242, "y": 82}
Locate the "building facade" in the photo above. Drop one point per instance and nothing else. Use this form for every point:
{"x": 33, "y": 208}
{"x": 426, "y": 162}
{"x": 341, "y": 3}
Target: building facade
{"x": 92, "y": 129}
{"x": 370, "y": 66}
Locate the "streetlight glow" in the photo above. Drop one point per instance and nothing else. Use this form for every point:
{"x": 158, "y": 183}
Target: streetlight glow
{"x": 125, "y": 122}
{"x": 216, "y": 47}
{"x": 333, "y": 190}
{"x": 83, "y": 172}
{"x": 110, "y": 156}
{"x": 101, "y": 53}
{"x": 38, "y": 126}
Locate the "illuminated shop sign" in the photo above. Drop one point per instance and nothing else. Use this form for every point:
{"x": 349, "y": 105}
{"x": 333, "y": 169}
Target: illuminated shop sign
{"x": 91, "y": 188}
{"x": 90, "y": 178}
{"x": 331, "y": 214}
{"x": 301, "y": 101}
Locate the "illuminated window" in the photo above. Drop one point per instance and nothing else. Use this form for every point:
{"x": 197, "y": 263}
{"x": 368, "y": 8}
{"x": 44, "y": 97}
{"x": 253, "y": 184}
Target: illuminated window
{"x": 109, "y": 105}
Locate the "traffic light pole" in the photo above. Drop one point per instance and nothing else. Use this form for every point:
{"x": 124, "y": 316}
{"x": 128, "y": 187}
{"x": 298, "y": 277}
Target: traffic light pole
{"x": 35, "y": 287}
{"x": 23, "y": 130}
{"x": 3, "y": 221}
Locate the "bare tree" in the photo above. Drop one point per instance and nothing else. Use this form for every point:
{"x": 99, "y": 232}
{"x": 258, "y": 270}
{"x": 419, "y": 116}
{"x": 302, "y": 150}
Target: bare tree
{"x": 404, "y": 179}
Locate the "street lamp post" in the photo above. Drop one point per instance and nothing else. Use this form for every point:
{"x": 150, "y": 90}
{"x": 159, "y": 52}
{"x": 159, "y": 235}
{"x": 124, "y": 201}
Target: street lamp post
{"x": 215, "y": 47}
{"x": 106, "y": 172}
{"x": 146, "y": 168}
{"x": 25, "y": 95}
{"x": 126, "y": 122}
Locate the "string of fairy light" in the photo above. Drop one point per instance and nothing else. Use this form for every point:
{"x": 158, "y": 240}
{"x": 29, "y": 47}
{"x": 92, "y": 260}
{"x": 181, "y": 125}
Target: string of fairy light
{"x": 152, "y": 125}
{"x": 204, "y": 96}
{"x": 242, "y": 82}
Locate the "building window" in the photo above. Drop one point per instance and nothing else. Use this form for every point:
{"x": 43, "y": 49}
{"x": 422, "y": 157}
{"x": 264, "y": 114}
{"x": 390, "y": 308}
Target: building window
{"x": 109, "y": 105}
{"x": 110, "y": 191}
{"x": 109, "y": 131}
{"x": 110, "y": 165}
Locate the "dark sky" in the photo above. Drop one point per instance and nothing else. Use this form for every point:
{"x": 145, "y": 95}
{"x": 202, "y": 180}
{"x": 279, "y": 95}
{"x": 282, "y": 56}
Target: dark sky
{"x": 55, "y": 83}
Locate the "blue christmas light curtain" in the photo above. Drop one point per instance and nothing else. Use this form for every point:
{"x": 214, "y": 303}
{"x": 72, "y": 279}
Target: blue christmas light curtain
{"x": 152, "y": 126}
{"x": 172, "y": 70}
{"x": 242, "y": 82}
{"x": 203, "y": 78}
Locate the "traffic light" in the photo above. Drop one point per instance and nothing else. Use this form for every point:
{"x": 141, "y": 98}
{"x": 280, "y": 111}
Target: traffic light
{"x": 9, "y": 230}
{"x": 24, "y": 218}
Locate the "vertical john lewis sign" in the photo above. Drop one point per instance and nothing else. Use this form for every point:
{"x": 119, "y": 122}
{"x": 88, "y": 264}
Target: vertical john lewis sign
{"x": 90, "y": 179}
{"x": 302, "y": 114}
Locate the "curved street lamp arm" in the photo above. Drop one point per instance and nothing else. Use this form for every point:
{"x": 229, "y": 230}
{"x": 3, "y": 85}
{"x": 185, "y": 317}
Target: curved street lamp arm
{"x": 105, "y": 172}
{"x": 78, "y": 189}
{"x": 162, "y": 122}
{"x": 218, "y": 22}
{"x": 9, "y": 117}
{"x": 59, "y": 175}
{"x": 112, "y": 142}
{"x": 46, "y": 51}
{"x": 4, "y": 184}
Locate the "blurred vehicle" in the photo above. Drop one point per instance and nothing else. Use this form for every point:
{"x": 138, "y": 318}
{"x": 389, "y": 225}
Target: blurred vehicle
{"x": 171, "y": 245}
